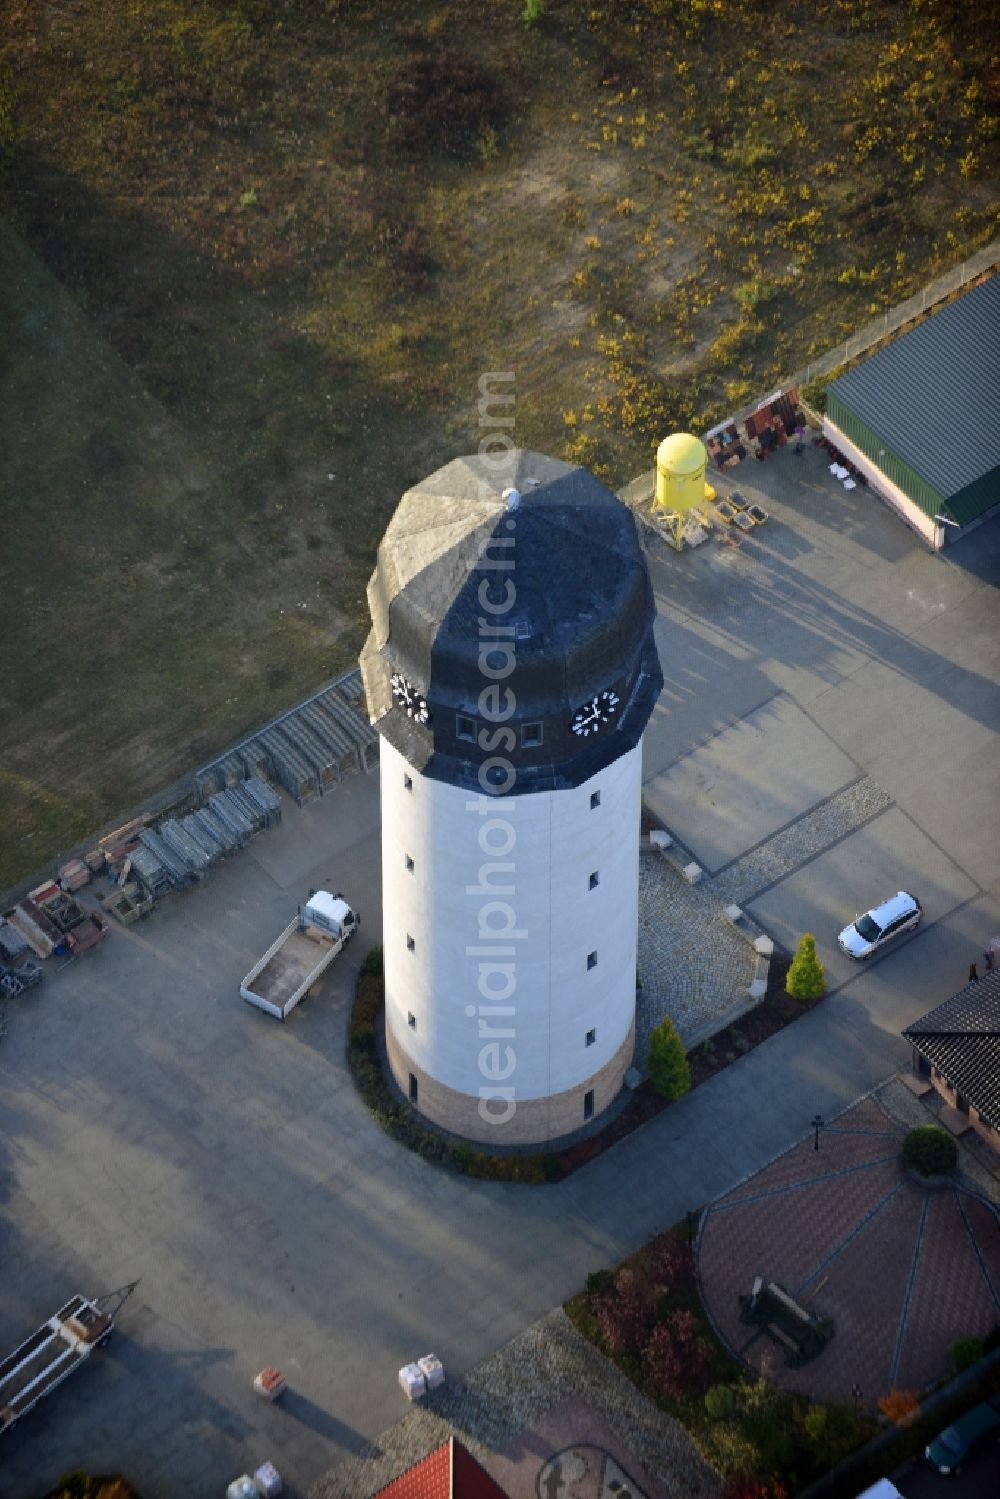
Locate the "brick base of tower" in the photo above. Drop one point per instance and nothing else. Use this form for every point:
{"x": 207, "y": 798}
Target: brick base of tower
{"x": 535, "y": 1120}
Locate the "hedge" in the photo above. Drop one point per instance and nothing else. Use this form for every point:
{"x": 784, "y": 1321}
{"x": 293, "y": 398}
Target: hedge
{"x": 399, "y": 1121}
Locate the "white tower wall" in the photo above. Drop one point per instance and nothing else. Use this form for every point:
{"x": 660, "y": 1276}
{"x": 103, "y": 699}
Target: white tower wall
{"x": 455, "y": 842}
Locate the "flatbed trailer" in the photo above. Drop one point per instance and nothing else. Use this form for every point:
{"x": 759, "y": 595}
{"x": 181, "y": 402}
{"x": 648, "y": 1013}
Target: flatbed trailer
{"x": 301, "y": 955}
{"x": 54, "y": 1352}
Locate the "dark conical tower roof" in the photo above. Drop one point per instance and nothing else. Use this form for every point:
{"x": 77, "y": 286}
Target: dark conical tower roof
{"x": 554, "y": 577}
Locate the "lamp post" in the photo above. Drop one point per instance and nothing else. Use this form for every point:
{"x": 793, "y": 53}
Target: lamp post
{"x": 856, "y": 1397}
{"x": 818, "y": 1124}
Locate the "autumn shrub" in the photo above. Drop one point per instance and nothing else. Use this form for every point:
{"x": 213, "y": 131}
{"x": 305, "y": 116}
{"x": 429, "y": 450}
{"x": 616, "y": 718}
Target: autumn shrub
{"x": 80, "y": 1485}
{"x": 814, "y": 394}
{"x": 625, "y": 1316}
{"x": 373, "y": 962}
{"x": 368, "y": 1000}
{"x": 930, "y": 1150}
{"x": 600, "y": 1283}
{"x": 720, "y": 1401}
{"x": 670, "y": 1264}
{"x": 899, "y": 1406}
{"x": 832, "y": 1432}
{"x": 676, "y": 1360}
{"x": 747, "y": 1486}
{"x": 965, "y": 1352}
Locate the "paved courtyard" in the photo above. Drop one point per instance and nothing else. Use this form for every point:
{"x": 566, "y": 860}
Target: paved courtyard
{"x": 154, "y": 1126}
{"x": 901, "y": 1269}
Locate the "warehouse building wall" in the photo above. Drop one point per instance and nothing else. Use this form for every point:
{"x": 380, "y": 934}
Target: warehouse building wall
{"x": 897, "y": 470}
{"x": 977, "y": 501}
{"x": 896, "y": 498}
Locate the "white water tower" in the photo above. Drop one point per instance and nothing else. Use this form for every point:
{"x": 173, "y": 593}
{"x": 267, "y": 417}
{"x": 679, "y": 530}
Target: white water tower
{"x": 510, "y": 670}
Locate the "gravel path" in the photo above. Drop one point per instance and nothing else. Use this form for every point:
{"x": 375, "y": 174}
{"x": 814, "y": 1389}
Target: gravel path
{"x": 816, "y": 831}
{"x": 694, "y": 964}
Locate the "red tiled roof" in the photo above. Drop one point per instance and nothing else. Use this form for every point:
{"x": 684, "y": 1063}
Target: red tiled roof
{"x": 447, "y": 1473}
{"x": 469, "y": 1480}
{"x": 429, "y": 1479}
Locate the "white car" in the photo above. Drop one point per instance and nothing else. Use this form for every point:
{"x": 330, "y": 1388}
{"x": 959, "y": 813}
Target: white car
{"x": 866, "y": 934}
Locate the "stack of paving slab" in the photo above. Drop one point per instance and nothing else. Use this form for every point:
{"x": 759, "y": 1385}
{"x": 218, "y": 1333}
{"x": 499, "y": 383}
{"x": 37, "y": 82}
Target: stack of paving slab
{"x": 73, "y": 875}
{"x": 181, "y": 850}
{"x": 307, "y": 750}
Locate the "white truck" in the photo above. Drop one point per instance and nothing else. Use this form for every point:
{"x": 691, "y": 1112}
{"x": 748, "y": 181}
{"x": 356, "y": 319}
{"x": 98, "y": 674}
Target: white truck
{"x": 303, "y": 952}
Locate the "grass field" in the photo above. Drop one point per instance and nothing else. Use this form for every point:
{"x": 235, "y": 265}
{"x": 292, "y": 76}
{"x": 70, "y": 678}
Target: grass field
{"x": 260, "y": 253}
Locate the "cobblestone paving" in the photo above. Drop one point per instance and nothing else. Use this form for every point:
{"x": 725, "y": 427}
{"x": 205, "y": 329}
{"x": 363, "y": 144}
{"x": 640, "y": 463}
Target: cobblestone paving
{"x": 947, "y": 1290}
{"x": 785, "y": 1238}
{"x": 695, "y": 966}
{"x": 505, "y": 1395}
{"x": 901, "y": 1269}
{"x": 865, "y": 1297}
{"x": 792, "y": 846}
{"x": 870, "y": 1137}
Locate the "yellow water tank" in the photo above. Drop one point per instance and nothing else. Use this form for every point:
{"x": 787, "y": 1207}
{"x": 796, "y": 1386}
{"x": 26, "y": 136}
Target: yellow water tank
{"x": 680, "y": 472}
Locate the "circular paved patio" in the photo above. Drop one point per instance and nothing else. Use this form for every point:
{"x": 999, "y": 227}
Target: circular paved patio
{"x": 902, "y": 1270}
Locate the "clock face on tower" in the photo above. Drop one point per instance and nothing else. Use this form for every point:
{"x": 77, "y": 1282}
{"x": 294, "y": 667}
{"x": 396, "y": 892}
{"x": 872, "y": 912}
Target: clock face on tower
{"x": 593, "y": 715}
{"x": 413, "y": 703}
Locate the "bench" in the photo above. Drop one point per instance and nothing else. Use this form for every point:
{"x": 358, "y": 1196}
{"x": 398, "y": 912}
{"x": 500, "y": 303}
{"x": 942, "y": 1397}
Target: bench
{"x": 801, "y": 1333}
{"x": 774, "y": 1331}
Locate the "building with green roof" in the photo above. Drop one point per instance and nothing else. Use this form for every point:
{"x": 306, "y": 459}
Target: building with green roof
{"x": 920, "y": 417}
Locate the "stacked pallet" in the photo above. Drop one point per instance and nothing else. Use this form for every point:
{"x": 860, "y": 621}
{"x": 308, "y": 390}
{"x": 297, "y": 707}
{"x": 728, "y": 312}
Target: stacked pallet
{"x": 150, "y": 872}
{"x": 73, "y": 875}
{"x": 180, "y": 850}
{"x": 307, "y": 750}
{"x": 14, "y": 981}
{"x": 116, "y": 847}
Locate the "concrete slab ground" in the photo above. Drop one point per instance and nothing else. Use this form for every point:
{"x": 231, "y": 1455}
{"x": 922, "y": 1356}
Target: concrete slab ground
{"x": 748, "y": 781}
{"x": 889, "y": 854}
{"x": 892, "y": 650}
{"x": 153, "y": 1125}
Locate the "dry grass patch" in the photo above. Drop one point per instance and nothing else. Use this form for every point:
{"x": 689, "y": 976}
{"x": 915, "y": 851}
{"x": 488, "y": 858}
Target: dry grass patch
{"x": 294, "y": 235}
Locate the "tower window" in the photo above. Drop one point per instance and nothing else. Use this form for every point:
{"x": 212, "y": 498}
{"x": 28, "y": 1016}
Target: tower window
{"x": 465, "y": 728}
{"x": 592, "y": 960}
{"x": 591, "y": 1036}
{"x": 409, "y": 863}
{"x": 531, "y": 735}
{"x": 407, "y": 783}
{"x": 595, "y": 800}
{"x": 413, "y": 1090}
{"x": 410, "y": 944}
{"x": 595, "y": 880}
{"x": 411, "y": 1020}
{"x": 588, "y": 1102}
